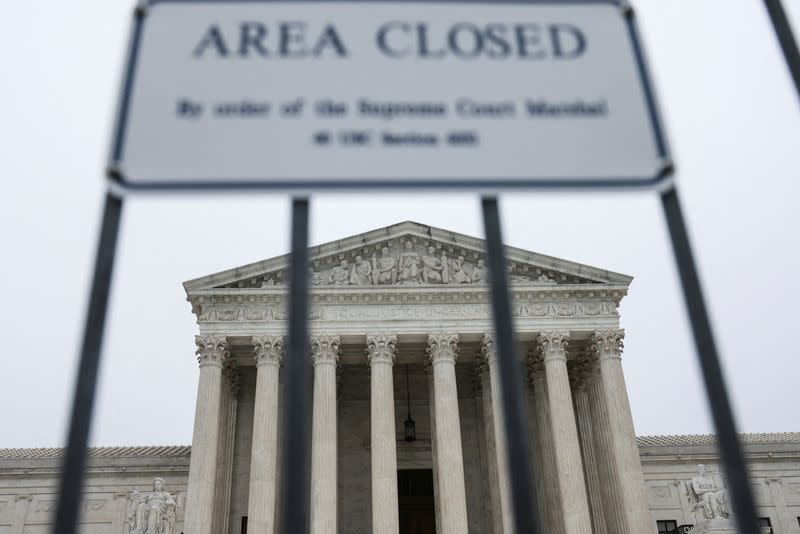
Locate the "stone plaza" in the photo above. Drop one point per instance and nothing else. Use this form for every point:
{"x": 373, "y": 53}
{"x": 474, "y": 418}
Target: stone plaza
{"x": 406, "y": 426}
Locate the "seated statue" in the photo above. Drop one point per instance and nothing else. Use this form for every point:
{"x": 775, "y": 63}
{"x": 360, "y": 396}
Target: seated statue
{"x": 709, "y": 494}
{"x": 340, "y": 275}
{"x": 408, "y": 266}
{"x": 152, "y": 512}
{"x": 457, "y": 273}
{"x": 434, "y": 268}
{"x": 384, "y": 270}
{"x": 479, "y": 272}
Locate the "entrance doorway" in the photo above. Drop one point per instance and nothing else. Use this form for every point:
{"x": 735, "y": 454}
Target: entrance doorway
{"x": 415, "y": 492}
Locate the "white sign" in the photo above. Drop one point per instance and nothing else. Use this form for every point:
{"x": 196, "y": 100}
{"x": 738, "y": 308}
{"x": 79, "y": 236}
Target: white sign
{"x": 315, "y": 94}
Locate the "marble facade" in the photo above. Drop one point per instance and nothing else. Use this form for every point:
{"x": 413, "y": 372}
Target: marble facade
{"x": 413, "y": 298}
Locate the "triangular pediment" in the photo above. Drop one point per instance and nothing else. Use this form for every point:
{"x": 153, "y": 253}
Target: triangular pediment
{"x": 408, "y": 254}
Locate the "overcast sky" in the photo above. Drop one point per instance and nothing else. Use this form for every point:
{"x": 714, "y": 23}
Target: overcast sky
{"x": 732, "y": 118}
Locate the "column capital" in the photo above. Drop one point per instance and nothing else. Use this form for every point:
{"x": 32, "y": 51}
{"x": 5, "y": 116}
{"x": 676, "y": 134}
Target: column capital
{"x": 325, "y": 349}
{"x": 211, "y": 350}
{"x": 535, "y": 364}
{"x": 442, "y": 347}
{"x": 381, "y": 348}
{"x": 581, "y": 370}
{"x": 230, "y": 372}
{"x": 607, "y": 343}
{"x": 489, "y": 349}
{"x": 268, "y": 350}
{"x": 553, "y": 344}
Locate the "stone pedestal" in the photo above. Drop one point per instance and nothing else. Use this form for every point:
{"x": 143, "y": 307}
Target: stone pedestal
{"x": 716, "y": 526}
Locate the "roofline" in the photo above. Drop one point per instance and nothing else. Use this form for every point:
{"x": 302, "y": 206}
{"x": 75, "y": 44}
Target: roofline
{"x": 669, "y": 440}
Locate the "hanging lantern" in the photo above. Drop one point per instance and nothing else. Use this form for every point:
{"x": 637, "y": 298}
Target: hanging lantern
{"x": 411, "y": 426}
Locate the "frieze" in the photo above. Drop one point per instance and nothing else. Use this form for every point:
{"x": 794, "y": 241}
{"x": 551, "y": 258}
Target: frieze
{"x": 422, "y": 309}
{"x": 406, "y": 312}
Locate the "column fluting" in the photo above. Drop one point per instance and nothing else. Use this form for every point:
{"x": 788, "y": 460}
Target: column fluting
{"x": 613, "y": 512}
{"x": 228, "y": 407}
{"x": 489, "y": 353}
{"x": 442, "y": 351}
{"x": 381, "y": 352}
{"x": 607, "y": 346}
{"x": 268, "y": 352}
{"x": 578, "y": 377}
{"x": 212, "y": 352}
{"x": 325, "y": 356}
{"x": 544, "y": 460}
{"x": 572, "y": 488}
{"x": 492, "y": 483}
{"x": 434, "y": 450}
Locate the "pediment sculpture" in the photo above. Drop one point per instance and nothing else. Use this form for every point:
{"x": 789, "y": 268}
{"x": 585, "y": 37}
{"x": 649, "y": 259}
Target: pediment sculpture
{"x": 408, "y": 265}
{"x": 152, "y": 512}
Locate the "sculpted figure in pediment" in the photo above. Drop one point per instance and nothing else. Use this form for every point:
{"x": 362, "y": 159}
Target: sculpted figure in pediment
{"x": 384, "y": 269}
{"x": 457, "y": 273}
{"x": 317, "y": 279}
{"x": 152, "y": 512}
{"x": 361, "y": 274}
{"x": 479, "y": 273}
{"x": 517, "y": 279}
{"x": 340, "y": 275}
{"x": 544, "y": 279}
{"x": 434, "y": 269}
{"x": 409, "y": 265}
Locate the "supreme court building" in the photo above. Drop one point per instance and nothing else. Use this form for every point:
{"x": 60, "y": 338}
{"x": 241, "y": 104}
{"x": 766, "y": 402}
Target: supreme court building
{"x": 406, "y": 431}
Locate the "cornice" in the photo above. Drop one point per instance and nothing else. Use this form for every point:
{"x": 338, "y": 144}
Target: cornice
{"x": 399, "y": 294}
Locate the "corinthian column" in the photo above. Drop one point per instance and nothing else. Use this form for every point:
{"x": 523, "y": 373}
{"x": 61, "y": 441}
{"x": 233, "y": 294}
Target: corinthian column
{"x": 442, "y": 349}
{"x": 607, "y": 348}
{"x": 212, "y": 352}
{"x": 381, "y": 353}
{"x": 489, "y": 352}
{"x": 544, "y": 454}
{"x": 227, "y": 430}
{"x": 268, "y": 352}
{"x": 553, "y": 345}
{"x": 580, "y": 374}
{"x": 493, "y": 515}
{"x": 432, "y": 411}
{"x": 325, "y": 355}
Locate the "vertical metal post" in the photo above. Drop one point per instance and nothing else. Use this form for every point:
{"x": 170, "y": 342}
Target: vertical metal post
{"x": 514, "y": 416}
{"x": 296, "y": 474}
{"x": 783, "y": 31}
{"x": 743, "y": 506}
{"x": 69, "y": 497}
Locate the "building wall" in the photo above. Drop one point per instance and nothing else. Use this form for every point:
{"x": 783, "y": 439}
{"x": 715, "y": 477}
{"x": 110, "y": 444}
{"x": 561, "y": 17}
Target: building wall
{"x": 28, "y": 485}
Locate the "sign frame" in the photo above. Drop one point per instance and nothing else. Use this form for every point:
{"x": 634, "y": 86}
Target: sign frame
{"x": 660, "y": 179}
